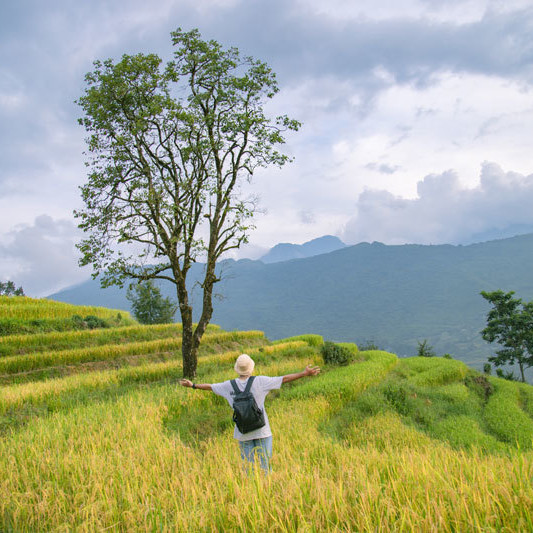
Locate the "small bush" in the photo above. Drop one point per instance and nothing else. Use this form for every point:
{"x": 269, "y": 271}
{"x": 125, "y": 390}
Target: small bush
{"x": 89, "y": 322}
{"x": 425, "y": 349}
{"x": 94, "y": 322}
{"x": 480, "y": 385}
{"x": 335, "y": 354}
{"x": 508, "y": 375}
{"x": 367, "y": 346}
{"x": 396, "y": 396}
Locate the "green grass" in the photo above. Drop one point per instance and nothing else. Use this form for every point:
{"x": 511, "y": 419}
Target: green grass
{"x": 505, "y": 418}
{"x": 312, "y": 340}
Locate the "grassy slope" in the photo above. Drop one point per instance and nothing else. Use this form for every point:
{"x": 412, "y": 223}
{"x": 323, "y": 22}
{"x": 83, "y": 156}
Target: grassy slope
{"x": 383, "y": 444}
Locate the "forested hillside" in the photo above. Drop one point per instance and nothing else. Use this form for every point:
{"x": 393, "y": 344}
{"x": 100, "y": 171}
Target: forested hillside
{"x": 391, "y": 295}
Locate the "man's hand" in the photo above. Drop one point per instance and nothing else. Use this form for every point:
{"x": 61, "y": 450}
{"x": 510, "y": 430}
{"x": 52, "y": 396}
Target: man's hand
{"x": 185, "y": 383}
{"x": 311, "y": 370}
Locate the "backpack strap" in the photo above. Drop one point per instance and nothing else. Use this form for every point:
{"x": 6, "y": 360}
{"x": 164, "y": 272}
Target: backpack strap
{"x": 234, "y": 385}
{"x": 249, "y": 384}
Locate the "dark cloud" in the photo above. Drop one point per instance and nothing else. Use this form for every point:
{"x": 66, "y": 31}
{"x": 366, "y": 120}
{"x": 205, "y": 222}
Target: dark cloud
{"x": 42, "y": 257}
{"x": 445, "y": 212}
{"x": 300, "y": 43}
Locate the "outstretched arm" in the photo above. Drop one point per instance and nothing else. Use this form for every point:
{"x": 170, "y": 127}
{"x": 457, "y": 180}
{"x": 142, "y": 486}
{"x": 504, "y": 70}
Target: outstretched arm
{"x": 189, "y": 384}
{"x": 309, "y": 371}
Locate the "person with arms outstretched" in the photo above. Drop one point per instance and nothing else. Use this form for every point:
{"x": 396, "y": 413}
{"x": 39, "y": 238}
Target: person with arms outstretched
{"x": 246, "y": 395}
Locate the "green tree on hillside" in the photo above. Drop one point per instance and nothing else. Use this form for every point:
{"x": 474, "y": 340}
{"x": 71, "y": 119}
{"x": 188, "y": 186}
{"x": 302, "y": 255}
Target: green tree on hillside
{"x": 510, "y": 323}
{"x": 171, "y": 146}
{"x": 9, "y": 289}
{"x": 148, "y": 304}
{"x": 425, "y": 349}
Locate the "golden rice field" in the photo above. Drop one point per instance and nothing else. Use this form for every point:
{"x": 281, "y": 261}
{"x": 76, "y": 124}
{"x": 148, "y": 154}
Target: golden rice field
{"x": 29, "y": 308}
{"x": 383, "y": 444}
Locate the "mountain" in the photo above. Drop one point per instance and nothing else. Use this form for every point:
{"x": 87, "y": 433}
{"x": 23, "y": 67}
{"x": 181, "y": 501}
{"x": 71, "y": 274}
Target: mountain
{"x": 286, "y": 251}
{"x": 391, "y": 295}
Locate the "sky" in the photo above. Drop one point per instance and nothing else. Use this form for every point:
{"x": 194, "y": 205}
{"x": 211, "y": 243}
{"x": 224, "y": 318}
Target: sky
{"x": 417, "y": 118}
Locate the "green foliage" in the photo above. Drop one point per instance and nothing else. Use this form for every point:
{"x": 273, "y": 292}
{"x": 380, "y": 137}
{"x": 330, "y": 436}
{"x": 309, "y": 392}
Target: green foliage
{"x": 170, "y": 145}
{"x": 89, "y": 322}
{"x": 510, "y": 324}
{"x": 336, "y": 354}
{"x": 367, "y": 346}
{"x": 504, "y": 416}
{"x": 424, "y": 349}
{"x": 506, "y": 374}
{"x": 149, "y": 306}
{"x": 397, "y": 396}
{"x": 8, "y": 288}
{"x": 480, "y": 385}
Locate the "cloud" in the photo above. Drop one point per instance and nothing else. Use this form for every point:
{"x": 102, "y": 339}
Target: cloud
{"x": 41, "y": 257}
{"x": 409, "y": 48}
{"x": 445, "y": 211}
{"x": 383, "y": 168}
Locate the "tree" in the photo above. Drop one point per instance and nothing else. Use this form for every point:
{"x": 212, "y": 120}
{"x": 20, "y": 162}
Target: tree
{"x": 170, "y": 148}
{"x": 8, "y": 289}
{"x": 148, "y": 304}
{"x": 510, "y": 323}
{"x": 425, "y": 349}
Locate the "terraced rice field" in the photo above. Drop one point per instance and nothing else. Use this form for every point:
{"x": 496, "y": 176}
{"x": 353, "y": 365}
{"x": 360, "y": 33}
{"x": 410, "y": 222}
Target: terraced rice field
{"x": 96, "y": 435}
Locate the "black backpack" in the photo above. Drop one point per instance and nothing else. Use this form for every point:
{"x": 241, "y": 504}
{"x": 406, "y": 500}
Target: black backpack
{"x": 246, "y": 413}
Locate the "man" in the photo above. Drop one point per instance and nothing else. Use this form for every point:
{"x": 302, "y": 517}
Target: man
{"x": 258, "y": 441}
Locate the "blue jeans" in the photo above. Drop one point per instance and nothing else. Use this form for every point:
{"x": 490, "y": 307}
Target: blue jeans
{"x": 260, "y": 448}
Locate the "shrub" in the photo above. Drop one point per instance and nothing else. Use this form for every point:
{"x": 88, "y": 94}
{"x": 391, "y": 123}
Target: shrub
{"x": 509, "y": 376}
{"x": 425, "y": 349}
{"x": 480, "y": 385}
{"x": 94, "y": 322}
{"x": 89, "y": 322}
{"x": 367, "y": 346}
{"x": 335, "y": 354}
{"x": 396, "y": 396}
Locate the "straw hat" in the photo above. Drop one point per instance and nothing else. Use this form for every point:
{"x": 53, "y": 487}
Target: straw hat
{"x": 244, "y": 366}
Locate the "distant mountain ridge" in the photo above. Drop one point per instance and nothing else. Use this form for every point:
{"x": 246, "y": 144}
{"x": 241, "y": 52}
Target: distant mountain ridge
{"x": 391, "y": 295}
{"x": 286, "y": 251}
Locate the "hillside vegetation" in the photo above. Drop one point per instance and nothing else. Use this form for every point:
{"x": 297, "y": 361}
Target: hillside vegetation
{"x": 391, "y": 295}
{"x": 95, "y": 434}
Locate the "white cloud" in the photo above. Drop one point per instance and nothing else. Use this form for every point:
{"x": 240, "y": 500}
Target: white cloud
{"x": 458, "y": 121}
{"x": 445, "y": 211}
{"x": 41, "y": 257}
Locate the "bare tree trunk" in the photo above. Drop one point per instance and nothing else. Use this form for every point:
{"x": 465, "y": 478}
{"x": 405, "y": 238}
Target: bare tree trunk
{"x": 521, "y": 365}
{"x": 207, "y": 305}
{"x": 189, "y": 347}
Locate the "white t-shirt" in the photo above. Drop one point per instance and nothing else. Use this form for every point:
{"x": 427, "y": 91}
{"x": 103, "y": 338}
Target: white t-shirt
{"x": 261, "y": 386}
